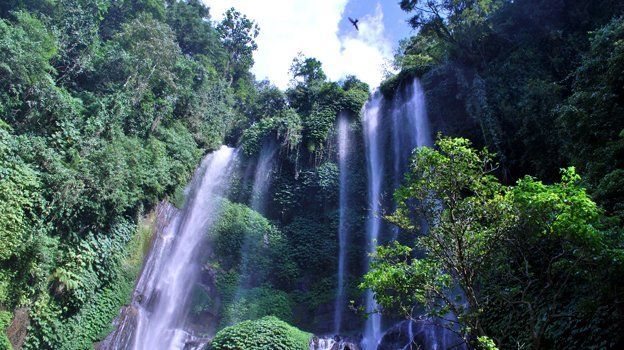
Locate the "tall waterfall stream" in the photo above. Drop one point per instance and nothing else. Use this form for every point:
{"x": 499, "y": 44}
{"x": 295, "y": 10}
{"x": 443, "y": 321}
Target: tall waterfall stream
{"x": 156, "y": 317}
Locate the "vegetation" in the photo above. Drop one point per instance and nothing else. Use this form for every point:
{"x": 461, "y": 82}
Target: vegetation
{"x": 105, "y": 109}
{"x": 526, "y": 263}
{"x": 107, "y": 106}
{"x": 265, "y": 333}
{"x": 512, "y": 263}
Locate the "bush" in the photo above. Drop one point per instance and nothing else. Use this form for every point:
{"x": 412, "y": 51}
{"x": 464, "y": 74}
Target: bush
{"x": 263, "y": 334}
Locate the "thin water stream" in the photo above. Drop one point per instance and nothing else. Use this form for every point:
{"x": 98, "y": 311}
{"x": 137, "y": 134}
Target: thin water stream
{"x": 344, "y": 143}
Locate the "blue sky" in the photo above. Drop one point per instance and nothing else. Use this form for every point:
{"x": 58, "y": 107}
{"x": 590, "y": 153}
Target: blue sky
{"x": 320, "y": 28}
{"x": 395, "y": 19}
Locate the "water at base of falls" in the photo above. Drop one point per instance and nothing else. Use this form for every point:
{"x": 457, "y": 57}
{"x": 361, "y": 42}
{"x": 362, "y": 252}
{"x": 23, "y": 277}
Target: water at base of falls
{"x": 420, "y": 335}
{"x": 156, "y": 318}
{"x": 334, "y": 343}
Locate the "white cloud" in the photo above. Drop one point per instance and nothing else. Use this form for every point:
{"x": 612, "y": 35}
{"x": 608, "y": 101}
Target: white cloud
{"x": 288, "y": 27}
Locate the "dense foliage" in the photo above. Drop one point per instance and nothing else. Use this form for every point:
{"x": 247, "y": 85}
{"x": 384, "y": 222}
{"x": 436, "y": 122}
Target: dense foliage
{"x": 107, "y": 106}
{"x": 105, "y": 109}
{"x": 262, "y": 334}
{"x": 537, "y": 81}
{"x": 536, "y": 264}
{"x": 251, "y": 261}
{"x": 530, "y": 264}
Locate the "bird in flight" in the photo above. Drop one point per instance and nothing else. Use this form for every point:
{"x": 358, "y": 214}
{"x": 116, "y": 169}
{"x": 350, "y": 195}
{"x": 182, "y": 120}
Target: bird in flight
{"x": 354, "y": 22}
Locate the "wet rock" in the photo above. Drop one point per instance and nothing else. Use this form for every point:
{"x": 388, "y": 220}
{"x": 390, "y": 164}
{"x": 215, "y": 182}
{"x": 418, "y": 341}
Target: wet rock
{"x": 420, "y": 335}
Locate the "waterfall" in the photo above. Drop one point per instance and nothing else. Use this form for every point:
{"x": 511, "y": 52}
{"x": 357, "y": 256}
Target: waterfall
{"x": 409, "y": 129}
{"x": 417, "y": 116}
{"x": 375, "y": 166}
{"x": 343, "y": 155}
{"x": 261, "y": 183}
{"x": 262, "y": 176}
{"x": 156, "y": 319}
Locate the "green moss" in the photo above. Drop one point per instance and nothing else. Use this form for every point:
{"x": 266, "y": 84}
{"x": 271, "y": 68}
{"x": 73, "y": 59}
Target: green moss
{"x": 267, "y": 333}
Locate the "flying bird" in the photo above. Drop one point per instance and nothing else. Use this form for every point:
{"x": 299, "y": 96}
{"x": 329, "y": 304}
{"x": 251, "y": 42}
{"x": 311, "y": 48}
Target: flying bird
{"x": 354, "y": 22}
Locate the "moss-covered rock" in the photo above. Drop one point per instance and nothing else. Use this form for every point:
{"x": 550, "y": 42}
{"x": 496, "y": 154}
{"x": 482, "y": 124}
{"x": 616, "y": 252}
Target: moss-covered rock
{"x": 267, "y": 333}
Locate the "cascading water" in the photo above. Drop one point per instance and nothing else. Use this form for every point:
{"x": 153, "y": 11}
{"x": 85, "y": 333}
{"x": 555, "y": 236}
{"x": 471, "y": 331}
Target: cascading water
{"x": 409, "y": 129}
{"x": 375, "y": 168}
{"x": 156, "y": 319}
{"x": 262, "y": 176}
{"x": 343, "y": 155}
{"x": 261, "y": 183}
{"x": 417, "y": 117}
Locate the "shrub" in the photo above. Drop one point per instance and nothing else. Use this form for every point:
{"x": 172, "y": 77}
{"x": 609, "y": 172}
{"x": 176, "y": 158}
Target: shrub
{"x": 263, "y": 334}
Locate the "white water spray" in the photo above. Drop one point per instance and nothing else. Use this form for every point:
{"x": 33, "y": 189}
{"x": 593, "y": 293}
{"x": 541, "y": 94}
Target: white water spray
{"x": 157, "y": 317}
{"x": 343, "y": 155}
{"x": 375, "y": 162}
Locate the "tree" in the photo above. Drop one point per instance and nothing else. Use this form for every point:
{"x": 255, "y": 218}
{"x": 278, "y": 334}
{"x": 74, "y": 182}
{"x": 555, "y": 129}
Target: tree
{"x": 270, "y": 100}
{"x": 26, "y": 48}
{"x": 518, "y": 264}
{"x": 141, "y": 62}
{"x": 543, "y": 271}
{"x": 462, "y": 23}
{"x": 194, "y": 32}
{"x": 307, "y": 70}
{"x": 307, "y": 77}
{"x": 465, "y": 209}
{"x": 76, "y": 26}
{"x": 238, "y": 34}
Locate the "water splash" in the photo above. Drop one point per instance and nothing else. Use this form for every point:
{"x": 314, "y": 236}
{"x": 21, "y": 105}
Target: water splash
{"x": 424, "y": 334}
{"x": 334, "y": 343}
